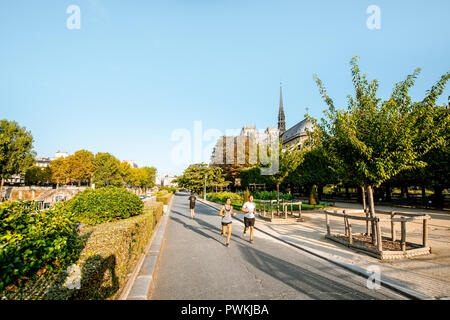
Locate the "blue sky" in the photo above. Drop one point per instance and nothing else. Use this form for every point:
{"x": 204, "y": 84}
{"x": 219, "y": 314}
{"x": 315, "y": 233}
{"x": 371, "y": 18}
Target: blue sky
{"x": 135, "y": 71}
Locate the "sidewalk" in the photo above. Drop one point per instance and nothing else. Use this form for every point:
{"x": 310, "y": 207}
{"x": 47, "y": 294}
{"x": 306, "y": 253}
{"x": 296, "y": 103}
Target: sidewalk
{"x": 421, "y": 277}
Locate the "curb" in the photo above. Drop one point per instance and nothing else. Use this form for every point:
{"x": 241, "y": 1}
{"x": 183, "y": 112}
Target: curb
{"x": 386, "y": 282}
{"x": 141, "y": 282}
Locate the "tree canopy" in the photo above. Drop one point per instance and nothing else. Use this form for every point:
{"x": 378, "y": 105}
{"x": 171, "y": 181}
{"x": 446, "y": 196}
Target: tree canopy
{"x": 193, "y": 178}
{"x": 16, "y": 149}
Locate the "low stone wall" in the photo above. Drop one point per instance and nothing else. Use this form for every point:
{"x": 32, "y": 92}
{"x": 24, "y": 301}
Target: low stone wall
{"x": 38, "y": 193}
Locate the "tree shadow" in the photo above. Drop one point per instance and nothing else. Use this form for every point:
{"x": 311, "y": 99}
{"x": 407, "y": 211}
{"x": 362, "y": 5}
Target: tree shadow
{"x": 93, "y": 274}
{"x": 309, "y": 280}
{"x": 196, "y": 229}
{"x": 97, "y": 279}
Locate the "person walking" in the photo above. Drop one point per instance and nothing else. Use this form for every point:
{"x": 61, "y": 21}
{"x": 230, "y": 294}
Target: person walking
{"x": 192, "y": 200}
{"x": 249, "y": 216}
{"x": 226, "y": 212}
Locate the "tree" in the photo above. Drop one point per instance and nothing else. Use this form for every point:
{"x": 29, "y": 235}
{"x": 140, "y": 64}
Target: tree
{"x": 16, "y": 150}
{"x": 128, "y": 175}
{"x": 314, "y": 170}
{"x": 149, "y": 177}
{"x": 80, "y": 166}
{"x": 253, "y": 175}
{"x": 193, "y": 178}
{"x": 107, "y": 170}
{"x": 288, "y": 160}
{"x": 59, "y": 171}
{"x": 37, "y": 175}
{"x": 372, "y": 141}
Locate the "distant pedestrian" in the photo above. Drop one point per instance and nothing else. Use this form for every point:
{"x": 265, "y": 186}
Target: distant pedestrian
{"x": 249, "y": 216}
{"x": 226, "y": 212}
{"x": 192, "y": 200}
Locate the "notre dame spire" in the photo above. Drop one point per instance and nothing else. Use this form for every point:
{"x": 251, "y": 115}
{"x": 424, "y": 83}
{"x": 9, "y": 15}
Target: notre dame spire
{"x": 281, "y": 120}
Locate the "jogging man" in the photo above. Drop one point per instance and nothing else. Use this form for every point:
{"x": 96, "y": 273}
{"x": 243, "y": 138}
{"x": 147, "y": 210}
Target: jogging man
{"x": 192, "y": 200}
{"x": 226, "y": 212}
{"x": 249, "y": 216}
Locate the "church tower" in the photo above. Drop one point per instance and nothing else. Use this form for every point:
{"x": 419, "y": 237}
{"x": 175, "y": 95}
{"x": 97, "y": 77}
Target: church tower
{"x": 281, "y": 120}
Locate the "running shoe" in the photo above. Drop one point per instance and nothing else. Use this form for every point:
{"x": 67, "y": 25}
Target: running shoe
{"x": 251, "y": 241}
{"x": 227, "y": 245}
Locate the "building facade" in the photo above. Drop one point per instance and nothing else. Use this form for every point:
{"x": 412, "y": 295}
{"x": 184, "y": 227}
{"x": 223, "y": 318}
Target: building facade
{"x": 228, "y": 148}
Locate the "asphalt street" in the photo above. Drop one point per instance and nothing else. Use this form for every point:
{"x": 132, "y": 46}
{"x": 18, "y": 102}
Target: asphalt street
{"x": 195, "y": 264}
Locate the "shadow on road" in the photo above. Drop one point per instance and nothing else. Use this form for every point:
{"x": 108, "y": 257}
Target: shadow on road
{"x": 308, "y": 281}
{"x": 313, "y": 279}
{"x": 195, "y": 229}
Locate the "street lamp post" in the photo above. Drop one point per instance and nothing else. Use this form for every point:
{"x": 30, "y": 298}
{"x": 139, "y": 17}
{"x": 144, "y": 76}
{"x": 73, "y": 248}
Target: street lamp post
{"x": 204, "y": 192}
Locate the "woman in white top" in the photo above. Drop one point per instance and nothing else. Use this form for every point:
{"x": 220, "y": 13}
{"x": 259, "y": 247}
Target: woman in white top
{"x": 226, "y": 212}
{"x": 249, "y": 216}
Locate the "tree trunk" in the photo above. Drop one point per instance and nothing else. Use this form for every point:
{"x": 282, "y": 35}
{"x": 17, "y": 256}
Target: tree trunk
{"x": 347, "y": 194}
{"x": 388, "y": 193}
{"x": 1, "y": 188}
{"x": 320, "y": 192}
{"x": 438, "y": 196}
{"x": 405, "y": 193}
{"x": 372, "y": 212}
{"x": 424, "y": 196}
{"x": 312, "y": 199}
{"x": 278, "y": 193}
{"x": 363, "y": 196}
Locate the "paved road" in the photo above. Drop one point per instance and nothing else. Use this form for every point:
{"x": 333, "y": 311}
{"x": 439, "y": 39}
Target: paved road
{"x": 196, "y": 264}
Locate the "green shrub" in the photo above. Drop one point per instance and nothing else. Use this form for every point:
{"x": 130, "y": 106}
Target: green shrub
{"x": 169, "y": 189}
{"x": 156, "y": 207}
{"x": 103, "y": 205}
{"x": 222, "y": 196}
{"x": 32, "y": 240}
{"x": 110, "y": 252}
{"x": 271, "y": 195}
{"x": 165, "y": 199}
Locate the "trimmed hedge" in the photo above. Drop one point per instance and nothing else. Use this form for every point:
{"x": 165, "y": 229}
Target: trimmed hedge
{"x": 271, "y": 195}
{"x": 164, "y": 198}
{"x": 95, "y": 206}
{"x": 111, "y": 251}
{"x": 222, "y": 196}
{"x": 32, "y": 241}
{"x": 169, "y": 189}
{"x": 156, "y": 208}
{"x": 107, "y": 254}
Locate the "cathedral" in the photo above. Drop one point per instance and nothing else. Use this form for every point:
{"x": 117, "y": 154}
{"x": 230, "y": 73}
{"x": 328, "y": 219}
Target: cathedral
{"x": 295, "y": 135}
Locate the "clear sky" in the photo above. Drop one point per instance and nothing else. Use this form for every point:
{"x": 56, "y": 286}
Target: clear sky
{"x": 137, "y": 70}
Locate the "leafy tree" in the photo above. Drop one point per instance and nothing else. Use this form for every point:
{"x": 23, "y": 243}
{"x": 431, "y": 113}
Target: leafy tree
{"x": 149, "y": 177}
{"x": 288, "y": 160}
{"x": 80, "y": 166}
{"x": 193, "y": 178}
{"x": 372, "y": 141}
{"x": 128, "y": 174}
{"x": 59, "y": 171}
{"x": 315, "y": 170}
{"x": 37, "y": 175}
{"x": 16, "y": 150}
{"x": 107, "y": 170}
{"x": 253, "y": 175}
